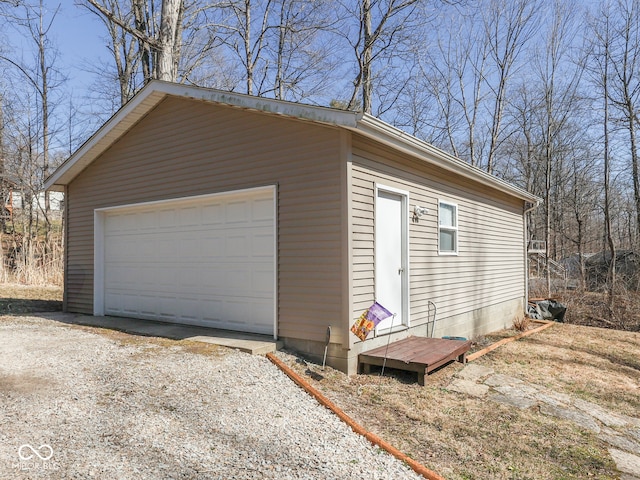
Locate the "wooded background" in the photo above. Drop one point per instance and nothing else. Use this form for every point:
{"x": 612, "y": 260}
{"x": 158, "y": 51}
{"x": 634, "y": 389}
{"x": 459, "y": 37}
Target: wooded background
{"x": 541, "y": 93}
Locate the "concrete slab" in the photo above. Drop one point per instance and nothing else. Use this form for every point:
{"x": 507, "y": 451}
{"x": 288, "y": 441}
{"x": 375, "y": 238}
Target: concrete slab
{"x": 625, "y": 462}
{"x": 474, "y": 372}
{"x": 621, "y": 442}
{"x": 556, "y": 399}
{"x": 626, "y": 476}
{"x": 245, "y": 342}
{"x": 499, "y": 380}
{"x": 581, "y": 419}
{"x": 468, "y": 387}
{"x": 521, "y": 391}
{"x": 519, "y": 402}
{"x": 599, "y": 413}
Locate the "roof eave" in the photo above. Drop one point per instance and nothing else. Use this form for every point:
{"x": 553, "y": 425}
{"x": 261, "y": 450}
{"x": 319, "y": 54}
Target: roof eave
{"x": 376, "y": 129}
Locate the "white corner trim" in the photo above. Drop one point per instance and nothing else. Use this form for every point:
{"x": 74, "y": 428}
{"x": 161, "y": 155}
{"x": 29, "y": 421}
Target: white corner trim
{"x": 274, "y": 191}
{"x": 98, "y": 262}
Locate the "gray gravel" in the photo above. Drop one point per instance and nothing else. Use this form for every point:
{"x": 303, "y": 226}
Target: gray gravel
{"x": 142, "y": 410}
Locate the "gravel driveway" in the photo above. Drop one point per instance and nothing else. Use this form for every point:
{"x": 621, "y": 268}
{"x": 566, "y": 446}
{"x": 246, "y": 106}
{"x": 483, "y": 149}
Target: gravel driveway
{"x": 77, "y": 404}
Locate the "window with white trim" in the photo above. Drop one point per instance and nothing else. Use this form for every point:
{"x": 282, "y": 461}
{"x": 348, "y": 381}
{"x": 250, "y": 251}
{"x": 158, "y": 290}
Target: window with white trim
{"x": 447, "y": 228}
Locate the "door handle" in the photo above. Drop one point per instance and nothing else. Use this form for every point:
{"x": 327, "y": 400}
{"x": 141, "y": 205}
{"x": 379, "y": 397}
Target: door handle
{"x": 400, "y": 270}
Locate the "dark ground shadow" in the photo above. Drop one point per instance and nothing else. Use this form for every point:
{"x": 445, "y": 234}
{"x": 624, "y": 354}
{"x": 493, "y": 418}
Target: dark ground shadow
{"x": 20, "y": 306}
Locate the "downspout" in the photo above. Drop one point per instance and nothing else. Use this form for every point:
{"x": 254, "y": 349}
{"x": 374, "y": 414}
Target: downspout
{"x": 526, "y": 249}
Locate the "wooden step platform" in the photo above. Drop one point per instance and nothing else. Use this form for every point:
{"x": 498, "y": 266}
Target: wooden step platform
{"x": 415, "y": 354}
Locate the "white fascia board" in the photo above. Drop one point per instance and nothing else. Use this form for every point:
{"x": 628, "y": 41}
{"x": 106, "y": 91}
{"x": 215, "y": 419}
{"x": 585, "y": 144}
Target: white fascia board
{"x": 154, "y": 92}
{"x": 376, "y": 129}
{"x": 331, "y": 116}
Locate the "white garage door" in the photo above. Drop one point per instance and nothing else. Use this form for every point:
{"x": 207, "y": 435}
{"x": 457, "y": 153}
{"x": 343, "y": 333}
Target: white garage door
{"x": 204, "y": 261}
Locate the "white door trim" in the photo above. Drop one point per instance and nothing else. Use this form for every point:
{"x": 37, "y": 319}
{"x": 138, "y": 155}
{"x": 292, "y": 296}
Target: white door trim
{"x": 99, "y": 215}
{"x": 404, "y": 195}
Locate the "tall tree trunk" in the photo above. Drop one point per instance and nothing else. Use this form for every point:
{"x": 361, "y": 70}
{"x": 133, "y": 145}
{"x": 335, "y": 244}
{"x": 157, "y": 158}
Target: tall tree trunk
{"x": 140, "y": 12}
{"x": 169, "y": 18}
{"x": 44, "y": 97}
{"x": 247, "y": 46}
{"x": 634, "y": 162}
{"x": 367, "y": 55}
{"x": 611, "y": 280}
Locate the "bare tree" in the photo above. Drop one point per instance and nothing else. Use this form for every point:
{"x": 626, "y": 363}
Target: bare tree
{"x": 509, "y": 26}
{"x": 381, "y": 25}
{"x": 39, "y": 77}
{"x": 302, "y": 51}
{"x": 159, "y": 49}
{"x": 624, "y": 87}
{"x": 599, "y": 60}
{"x": 246, "y": 34}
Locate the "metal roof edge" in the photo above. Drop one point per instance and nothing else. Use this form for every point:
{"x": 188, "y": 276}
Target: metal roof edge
{"x": 155, "y": 91}
{"x": 331, "y": 116}
{"x": 377, "y": 129}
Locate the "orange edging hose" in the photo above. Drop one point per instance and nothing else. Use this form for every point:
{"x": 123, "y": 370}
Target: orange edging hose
{"x": 484, "y": 351}
{"x": 373, "y": 438}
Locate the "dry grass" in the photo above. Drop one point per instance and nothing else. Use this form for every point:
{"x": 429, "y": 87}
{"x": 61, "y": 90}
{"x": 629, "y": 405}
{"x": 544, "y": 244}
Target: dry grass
{"x": 463, "y": 437}
{"x": 591, "y": 308}
{"x": 522, "y": 323}
{"x": 20, "y": 299}
{"x": 36, "y": 262}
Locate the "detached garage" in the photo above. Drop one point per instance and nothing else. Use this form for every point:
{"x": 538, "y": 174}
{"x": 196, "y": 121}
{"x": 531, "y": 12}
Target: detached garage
{"x": 210, "y": 208}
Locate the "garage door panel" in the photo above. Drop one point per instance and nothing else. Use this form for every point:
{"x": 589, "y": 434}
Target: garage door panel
{"x": 189, "y": 278}
{"x": 238, "y": 212}
{"x": 213, "y": 214}
{"x": 261, "y": 281}
{"x": 188, "y": 217}
{"x": 147, "y": 220}
{"x": 166, "y": 218}
{"x": 212, "y": 246}
{"x": 207, "y": 261}
{"x": 236, "y": 245}
{"x": 260, "y": 243}
{"x": 262, "y": 210}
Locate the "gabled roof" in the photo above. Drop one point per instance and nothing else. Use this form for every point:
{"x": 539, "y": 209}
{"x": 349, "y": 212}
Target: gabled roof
{"x": 156, "y": 91}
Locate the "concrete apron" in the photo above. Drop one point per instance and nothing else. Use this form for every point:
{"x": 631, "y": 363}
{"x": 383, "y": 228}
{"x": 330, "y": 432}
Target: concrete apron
{"x": 245, "y": 342}
{"x": 620, "y": 432}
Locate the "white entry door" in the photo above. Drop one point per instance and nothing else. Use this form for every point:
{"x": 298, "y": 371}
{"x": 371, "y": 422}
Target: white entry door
{"x": 391, "y": 235}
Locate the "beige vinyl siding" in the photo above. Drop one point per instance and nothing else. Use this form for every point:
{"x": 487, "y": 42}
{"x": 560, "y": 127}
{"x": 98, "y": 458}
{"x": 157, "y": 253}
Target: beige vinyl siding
{"x": 489, "y": 266}
{"x": 186, "y": 148}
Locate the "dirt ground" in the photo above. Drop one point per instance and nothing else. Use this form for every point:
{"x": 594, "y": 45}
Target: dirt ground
{"x": 462, "y": 437}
